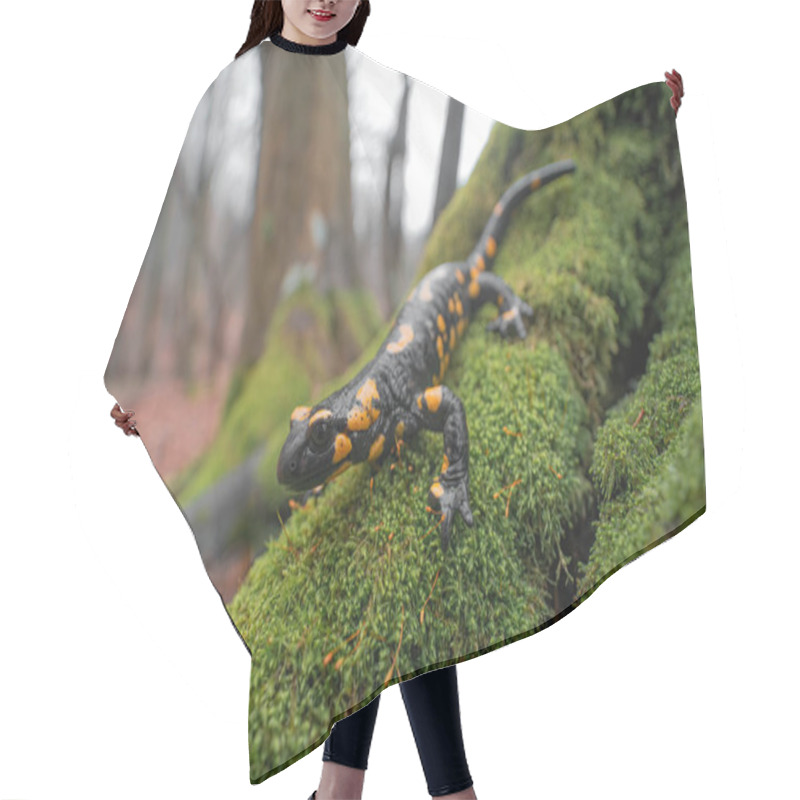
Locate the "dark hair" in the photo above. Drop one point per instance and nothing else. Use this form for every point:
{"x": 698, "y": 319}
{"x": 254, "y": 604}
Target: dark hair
{"x": 266, "y": 19}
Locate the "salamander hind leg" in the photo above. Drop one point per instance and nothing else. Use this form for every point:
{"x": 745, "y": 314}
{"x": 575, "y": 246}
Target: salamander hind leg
{"x": 512, "y": 308}
{"x": 442, "y": 411}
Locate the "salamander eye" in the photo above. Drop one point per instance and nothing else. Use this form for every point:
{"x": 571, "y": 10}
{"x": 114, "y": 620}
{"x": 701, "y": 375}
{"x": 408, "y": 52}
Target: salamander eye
{"x": 321, "y": 435}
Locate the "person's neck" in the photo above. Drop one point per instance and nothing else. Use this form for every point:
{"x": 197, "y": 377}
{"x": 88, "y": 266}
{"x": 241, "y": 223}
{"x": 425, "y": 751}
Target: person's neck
{"x": 335, "y": 46}
{"x": 293, "y": 34}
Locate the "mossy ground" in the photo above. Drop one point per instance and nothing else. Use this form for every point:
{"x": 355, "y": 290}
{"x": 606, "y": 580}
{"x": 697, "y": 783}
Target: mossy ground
{"x": 355, "y": 593}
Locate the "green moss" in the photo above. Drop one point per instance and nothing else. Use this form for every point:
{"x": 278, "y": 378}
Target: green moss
{"x": 624, "y": 456}
{"x": 666, "y": 496}
{"x": 356, "y": 586}
{"x": 370, "y": 560}
{"x": 648, "y": 462}
{"x": 369, "y": 563}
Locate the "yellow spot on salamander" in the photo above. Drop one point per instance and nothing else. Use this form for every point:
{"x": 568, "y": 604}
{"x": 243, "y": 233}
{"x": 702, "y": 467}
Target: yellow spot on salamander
{"x": 300, "y": 413}
{"x": 441, "y": 323}
{"x": 536, "y": 183}
{"x": 342, "y": 447}
{"x": 367, "y": 393}
{"x": 491, "y": 247}
{"x": 433, "y": 398}
{"x": 499, "y": 299}
{"x": 399, "y": 429}
{"x": 406, "y": 336}
{"x": 479, "y": 262}
{"x": 510, "y": 314}
{"x": 451, "y": 305}
{"x": 445, "y": 463}
{"x": 437, "y": 490}
{"x": 459, "y": 307}
{"x": 323, "y": 413}
{"x": 452, "y": 338}
{"x": 445, "y": 363}
{"x": 425, "y": 290}
{"x": 460, "y": 276}
{"x": 462, "y": 324}
{"x": 473, "y": 289}
{"x": 361, "y": 416}
{"x": 498, "y": 209}
{"x": 376, "y": 449}
{"x": 440, "y": 347}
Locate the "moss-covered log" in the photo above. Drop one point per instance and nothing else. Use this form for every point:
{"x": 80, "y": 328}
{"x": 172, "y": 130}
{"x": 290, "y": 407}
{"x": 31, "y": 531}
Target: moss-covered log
{"x": 648, "y": 464}
{"x": 355, "y": 593}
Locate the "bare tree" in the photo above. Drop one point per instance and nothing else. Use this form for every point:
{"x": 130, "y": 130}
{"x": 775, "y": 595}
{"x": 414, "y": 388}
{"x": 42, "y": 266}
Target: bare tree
{"x": 302, "y": 213}
{"x": 392, "y": 236}
{"x": 451, "y": 150}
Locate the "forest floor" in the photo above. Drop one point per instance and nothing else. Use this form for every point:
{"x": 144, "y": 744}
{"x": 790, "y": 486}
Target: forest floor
{"x": 177, "y": 426}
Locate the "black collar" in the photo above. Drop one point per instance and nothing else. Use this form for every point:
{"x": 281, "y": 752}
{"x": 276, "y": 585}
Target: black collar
{"x": 310, "y": 49}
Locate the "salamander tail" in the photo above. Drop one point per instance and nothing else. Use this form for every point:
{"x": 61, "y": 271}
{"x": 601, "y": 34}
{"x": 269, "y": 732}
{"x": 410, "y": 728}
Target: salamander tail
{"x": 486, "y": 250}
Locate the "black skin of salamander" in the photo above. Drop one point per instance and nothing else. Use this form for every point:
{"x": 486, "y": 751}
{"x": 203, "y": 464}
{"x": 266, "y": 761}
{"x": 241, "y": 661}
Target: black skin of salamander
{"x": 400, "y": 391}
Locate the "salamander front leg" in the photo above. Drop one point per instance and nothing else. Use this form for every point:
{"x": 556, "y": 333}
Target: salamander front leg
{"x": 306, "y": 496}
{"x": 511, "y": 307}
{"x": 449, "y": 492}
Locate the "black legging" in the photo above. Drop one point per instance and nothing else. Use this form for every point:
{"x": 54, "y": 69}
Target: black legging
{"x": 432, "y": 706}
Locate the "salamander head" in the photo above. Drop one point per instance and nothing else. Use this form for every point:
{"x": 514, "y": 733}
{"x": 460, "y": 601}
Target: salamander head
{"x": 315, "y": 450}
{"x": 322, "y": 444}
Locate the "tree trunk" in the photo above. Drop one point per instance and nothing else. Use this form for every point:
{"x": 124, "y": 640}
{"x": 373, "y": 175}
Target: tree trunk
{"x": 303, "y": 212}
{"x": 392, "y": 237}
{"x": 451, "y": 150}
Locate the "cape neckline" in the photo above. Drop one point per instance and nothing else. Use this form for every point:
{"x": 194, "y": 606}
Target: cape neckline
{"x": 309, "y": 49}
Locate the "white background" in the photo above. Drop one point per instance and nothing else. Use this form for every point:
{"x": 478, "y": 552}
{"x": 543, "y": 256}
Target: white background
{"x": 120, "y": 673}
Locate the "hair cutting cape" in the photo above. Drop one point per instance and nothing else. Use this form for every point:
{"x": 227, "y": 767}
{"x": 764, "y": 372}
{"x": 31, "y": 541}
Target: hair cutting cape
{"x": 418, "y": 381}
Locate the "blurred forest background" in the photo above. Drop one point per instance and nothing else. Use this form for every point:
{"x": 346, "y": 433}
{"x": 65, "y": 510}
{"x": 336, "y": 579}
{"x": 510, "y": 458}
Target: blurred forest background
{"x": 276, "y": 191}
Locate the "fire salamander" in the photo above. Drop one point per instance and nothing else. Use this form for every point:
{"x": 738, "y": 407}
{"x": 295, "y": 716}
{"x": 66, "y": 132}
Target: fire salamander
{"x": 400, "y": 391}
